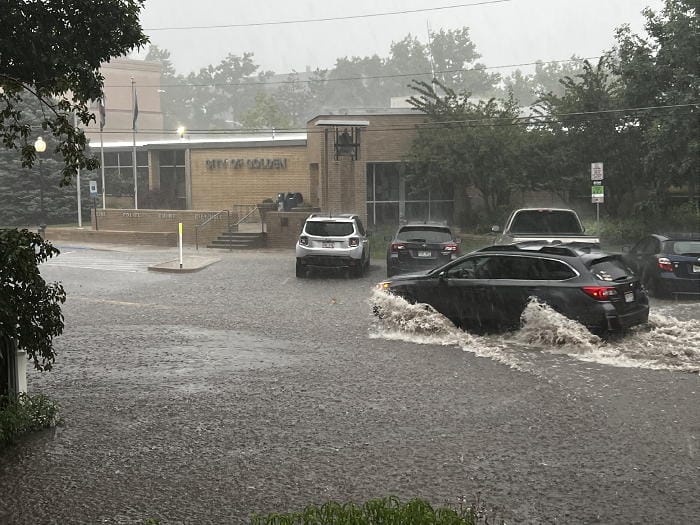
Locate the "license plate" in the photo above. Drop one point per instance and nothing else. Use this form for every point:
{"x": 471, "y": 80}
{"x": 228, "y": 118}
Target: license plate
{"x": 629, "y": 297}
{"x": 422, "y": 253}
{"x": 328, "y": 245}
{"x": 696, "y": 268}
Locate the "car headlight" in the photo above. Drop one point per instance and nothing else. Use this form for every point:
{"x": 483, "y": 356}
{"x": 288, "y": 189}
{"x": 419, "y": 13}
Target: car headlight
{"x": 384, "y": 285}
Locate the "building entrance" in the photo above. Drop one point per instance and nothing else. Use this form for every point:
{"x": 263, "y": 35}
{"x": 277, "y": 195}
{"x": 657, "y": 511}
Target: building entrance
{"x": 392, "y": 199}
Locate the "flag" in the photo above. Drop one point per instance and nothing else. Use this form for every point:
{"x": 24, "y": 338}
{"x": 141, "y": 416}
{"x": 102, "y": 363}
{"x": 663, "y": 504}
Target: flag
{"x": 136, "y": 110}
{"x": 101, "y": 110}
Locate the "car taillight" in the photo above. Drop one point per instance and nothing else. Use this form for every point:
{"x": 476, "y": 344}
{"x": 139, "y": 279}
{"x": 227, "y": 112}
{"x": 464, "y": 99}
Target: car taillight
{"x": 665, "y": 264}
{"x": 353, "y": 241}
{"x": 450, "y": 248}
{"x": 304, "y": 240}
{"x": 396, "y": 246}
{"x": 600, "y": 293}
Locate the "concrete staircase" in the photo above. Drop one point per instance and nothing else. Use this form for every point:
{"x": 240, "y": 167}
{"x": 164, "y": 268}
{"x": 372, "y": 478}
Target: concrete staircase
{"x": 238, "y": 241}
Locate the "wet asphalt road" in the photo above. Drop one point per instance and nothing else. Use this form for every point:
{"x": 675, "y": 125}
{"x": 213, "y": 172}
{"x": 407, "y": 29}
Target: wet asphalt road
{"x": 205, "y": 397}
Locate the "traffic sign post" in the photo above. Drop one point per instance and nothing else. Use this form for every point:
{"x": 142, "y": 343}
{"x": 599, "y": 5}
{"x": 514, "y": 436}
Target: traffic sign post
{"x": 93, "y": 194}
{"x": 597, "y": 190}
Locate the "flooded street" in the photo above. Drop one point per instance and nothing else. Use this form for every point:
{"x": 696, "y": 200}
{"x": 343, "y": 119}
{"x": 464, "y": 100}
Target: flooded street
{"x": 205, "y": 397}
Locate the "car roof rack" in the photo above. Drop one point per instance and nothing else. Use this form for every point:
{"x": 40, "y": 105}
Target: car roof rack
{"x": 556, "y": 249}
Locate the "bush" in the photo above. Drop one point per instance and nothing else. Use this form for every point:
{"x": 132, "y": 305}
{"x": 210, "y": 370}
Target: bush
{"x": 23, "y": 413}
{"x": 645, "y": 220}
{"x": 388, "y": 511}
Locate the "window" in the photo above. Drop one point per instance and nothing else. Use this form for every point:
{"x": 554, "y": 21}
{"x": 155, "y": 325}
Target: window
{"x": 329, "y": 229}
{"x": 416, "y": 233}
{"x": 552, "y": 270}
{"x": 472, "y": 268}
{"x": 610, "y": 269}
{"x": 545, "y": 221}
{"x": 684, "y": 247}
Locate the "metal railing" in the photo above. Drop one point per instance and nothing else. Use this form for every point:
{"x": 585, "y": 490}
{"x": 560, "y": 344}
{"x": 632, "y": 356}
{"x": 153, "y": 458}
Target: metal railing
{"x": 244, "y": 216}
{"x": 198, "y": 226}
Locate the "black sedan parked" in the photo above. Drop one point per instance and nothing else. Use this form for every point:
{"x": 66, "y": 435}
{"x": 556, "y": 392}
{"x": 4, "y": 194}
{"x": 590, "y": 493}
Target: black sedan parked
{"x": 420, "y": 246}
{"x": 667, "y": 264}
{"x": 488, "y": 289}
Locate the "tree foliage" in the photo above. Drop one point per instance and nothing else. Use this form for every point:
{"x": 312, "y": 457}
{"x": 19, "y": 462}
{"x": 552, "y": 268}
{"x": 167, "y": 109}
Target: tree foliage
{"x": 52, "y": 51}
{"x": 661, "y": 72}
{"x": 470, "y": 143}
{"x": 30, "y": 308}
{"x": 635, "y": 110}
{"x": 218, "y": 96}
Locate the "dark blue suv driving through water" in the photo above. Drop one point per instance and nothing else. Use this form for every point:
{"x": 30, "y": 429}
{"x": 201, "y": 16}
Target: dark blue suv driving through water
{"x": 488, "y": 290}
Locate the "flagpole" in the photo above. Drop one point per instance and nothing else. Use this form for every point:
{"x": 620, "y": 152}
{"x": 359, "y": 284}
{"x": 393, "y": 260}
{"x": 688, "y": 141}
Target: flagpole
{"x": 102, "y": 110}
{"x": 77, "y": 180}
{"x": 102, "y": 165}
{"x": 133, "y": 142}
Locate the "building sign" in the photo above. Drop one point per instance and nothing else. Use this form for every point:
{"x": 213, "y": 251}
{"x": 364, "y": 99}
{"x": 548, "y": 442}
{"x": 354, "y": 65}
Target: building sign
{"x": 252, "y": 164}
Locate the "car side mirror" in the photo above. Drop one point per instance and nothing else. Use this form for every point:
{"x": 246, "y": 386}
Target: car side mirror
{"x": 495, "y": 228}
{"x": 442, "y": 275}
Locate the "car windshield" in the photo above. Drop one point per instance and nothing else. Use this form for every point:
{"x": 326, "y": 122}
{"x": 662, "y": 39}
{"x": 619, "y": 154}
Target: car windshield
{"x": 610, "y": 269}
{"x": 329, "y": 228}
{"x": 424, "y": 234}
{"x": 545, "y": 221}
{"x": 683, "y": 247}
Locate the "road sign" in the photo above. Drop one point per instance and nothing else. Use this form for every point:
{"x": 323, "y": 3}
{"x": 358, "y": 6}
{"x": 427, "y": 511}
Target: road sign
{"x": 597, "y": 193}
{"x": 596, "y": 171}
{"x": 93, "y": 189}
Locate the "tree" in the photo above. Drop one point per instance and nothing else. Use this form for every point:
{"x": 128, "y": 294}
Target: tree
{"x": 455, "y": 58}
{"x": 468, "y": 144}
{"x": 52, "y": 51}
{"x": 661, "y": 72}
{"x": 589, "y": 127}
{"x": 30, "y": 309}
{"x": 265, "y": 114}
{"x": 547, "y": 79}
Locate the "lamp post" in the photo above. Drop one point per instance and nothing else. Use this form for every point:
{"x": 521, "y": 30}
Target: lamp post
{"x": 40, "y": 147}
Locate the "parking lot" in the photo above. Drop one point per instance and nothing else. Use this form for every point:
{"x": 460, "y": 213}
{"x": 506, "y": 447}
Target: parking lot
{"x": 205, "y": 397}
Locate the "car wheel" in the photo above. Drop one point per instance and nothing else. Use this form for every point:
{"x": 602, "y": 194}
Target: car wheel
{"x": 301, "y": 271}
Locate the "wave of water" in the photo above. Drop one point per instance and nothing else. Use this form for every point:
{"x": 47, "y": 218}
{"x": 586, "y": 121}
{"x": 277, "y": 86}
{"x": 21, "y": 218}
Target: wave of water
{"x": 664, "y": 343}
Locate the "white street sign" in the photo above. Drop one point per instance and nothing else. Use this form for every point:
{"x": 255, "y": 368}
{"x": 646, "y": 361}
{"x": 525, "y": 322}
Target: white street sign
{"x": 93, "y": 188}
{"x": 596, "y": 171}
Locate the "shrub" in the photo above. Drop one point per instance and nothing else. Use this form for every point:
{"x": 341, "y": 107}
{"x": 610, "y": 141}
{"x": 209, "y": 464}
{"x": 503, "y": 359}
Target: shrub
{"x": 23, "y": 413}
{"x": 387, "y": 511}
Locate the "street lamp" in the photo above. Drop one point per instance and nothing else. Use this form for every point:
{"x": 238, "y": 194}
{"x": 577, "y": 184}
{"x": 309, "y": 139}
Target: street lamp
{"x": 40, "y": 147}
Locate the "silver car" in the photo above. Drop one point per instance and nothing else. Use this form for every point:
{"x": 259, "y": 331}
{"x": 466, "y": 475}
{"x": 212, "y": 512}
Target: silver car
{"x": 332, "y": 241}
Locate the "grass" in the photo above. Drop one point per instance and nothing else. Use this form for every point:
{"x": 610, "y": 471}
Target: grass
{"x": 21, "y": 414}
{"x": 385, "y": 511}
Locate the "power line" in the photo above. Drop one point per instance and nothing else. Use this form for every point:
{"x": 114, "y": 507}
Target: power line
{"x": 329, "y": 19}
{"x": 348, "y": 79}
{"x": 606, "y": 114}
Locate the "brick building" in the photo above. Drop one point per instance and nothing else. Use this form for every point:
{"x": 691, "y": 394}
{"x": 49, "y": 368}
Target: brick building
{"x": 342, "y": 164}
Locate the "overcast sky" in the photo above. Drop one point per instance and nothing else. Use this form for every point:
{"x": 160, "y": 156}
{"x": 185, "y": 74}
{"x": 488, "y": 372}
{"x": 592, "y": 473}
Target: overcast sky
{"x": 504, "y": 31}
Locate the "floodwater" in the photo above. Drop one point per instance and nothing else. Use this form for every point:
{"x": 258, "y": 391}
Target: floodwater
{"x": 665, "y": 343}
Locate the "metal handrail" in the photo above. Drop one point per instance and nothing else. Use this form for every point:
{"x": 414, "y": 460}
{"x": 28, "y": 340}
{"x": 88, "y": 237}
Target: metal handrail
{"x": 251, "y": 212}
{"x": 198, "y": 226}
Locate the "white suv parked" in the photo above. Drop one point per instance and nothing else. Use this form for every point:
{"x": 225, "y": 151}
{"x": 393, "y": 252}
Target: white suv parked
{"x": 333, "y": 241}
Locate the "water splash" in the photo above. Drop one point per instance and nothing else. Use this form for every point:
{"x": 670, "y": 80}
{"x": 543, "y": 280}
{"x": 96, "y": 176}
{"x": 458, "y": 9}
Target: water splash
{"x": 665, "y": 343}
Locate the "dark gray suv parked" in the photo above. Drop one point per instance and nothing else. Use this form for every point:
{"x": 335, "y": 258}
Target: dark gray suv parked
{"x": 487, "y": 290}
